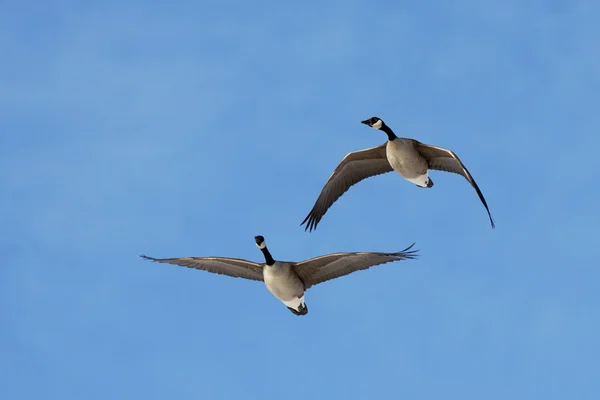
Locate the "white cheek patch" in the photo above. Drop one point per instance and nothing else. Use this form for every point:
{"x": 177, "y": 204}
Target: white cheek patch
{"x": 262, "y": 245}
{"x": 378, "y": 124}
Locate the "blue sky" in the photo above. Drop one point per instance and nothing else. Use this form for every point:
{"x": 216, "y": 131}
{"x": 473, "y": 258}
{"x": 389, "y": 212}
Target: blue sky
{"x": 132, "y": 127}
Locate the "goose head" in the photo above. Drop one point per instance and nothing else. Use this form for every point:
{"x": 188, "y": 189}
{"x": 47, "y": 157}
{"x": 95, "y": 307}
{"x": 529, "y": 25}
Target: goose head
{"x": 260, "y": 242}
{"x": 374, "y": 122}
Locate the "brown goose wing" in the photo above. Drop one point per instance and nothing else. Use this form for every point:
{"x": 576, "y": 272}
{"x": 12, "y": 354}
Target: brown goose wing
{"x": 331, "y": 266}
{"x": 442, "y": 159}
{"x": 234, "y": 267}
{"x": 355, "y": 167}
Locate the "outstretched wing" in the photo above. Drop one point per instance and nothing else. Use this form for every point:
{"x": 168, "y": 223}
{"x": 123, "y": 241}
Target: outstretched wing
{"x": 355, "y": 167}
{"x": 234, "y": 267}
{"x": 446, "y": 160}
{"x": 331, "y": 266}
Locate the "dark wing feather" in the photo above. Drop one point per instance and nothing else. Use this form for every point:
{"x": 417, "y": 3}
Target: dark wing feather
{"x": 331, "y": 266}
{"x": 441, "y": 159}
{"x": 355, "y": 167}
{"x": 234, "y": 267}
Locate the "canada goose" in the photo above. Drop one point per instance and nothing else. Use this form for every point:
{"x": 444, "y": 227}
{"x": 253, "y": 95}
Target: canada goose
{"x": 408, "y": 157}
{"x": 289, "y": 280}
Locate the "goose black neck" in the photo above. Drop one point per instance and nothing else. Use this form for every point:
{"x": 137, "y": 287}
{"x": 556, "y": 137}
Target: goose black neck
{"x": 390, "y": 133}
{"x": 268, "y": 258}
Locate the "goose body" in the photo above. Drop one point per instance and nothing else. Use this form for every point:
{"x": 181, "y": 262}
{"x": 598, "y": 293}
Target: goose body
{"x": 405, "y": 159}
{"x": 410, "y": 158}
{"x": 288, "y": 281}
{"x": 284, "y": 284}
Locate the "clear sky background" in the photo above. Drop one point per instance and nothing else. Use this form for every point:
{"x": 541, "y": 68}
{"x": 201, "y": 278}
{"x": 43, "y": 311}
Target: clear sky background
{"x": 186, "y": 128}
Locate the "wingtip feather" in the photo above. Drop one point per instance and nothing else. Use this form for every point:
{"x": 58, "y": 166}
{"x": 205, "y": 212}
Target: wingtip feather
{"x": 311, "y": 223}
{"x": 406, "y": 254}
{"x": 409, "y": 247}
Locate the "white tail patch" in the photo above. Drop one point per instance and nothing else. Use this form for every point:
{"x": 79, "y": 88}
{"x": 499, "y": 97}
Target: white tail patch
{"x": 422, "y": 180}
{"x": 294, "y": 303}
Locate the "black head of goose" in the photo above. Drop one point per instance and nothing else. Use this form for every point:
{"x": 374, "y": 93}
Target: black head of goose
{"x": 287, "y": 280}
{"x": 410, "y": 158}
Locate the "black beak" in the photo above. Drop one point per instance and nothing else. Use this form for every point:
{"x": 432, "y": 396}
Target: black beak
{"x": 366, "y": 122}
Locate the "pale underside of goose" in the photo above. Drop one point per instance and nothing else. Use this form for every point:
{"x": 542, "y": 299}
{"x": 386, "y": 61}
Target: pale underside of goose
{"x": 288, "y": 281}
{"x": 410, "y": 158}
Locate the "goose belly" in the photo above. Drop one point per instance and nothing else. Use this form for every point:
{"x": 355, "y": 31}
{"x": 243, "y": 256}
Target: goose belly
{"x": 284, "y": 285}
{"x": 407, "y": 162}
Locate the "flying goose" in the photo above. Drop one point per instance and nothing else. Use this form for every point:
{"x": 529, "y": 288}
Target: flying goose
{"x": 408, "y": 157}
{"x": 289, "y": 280}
